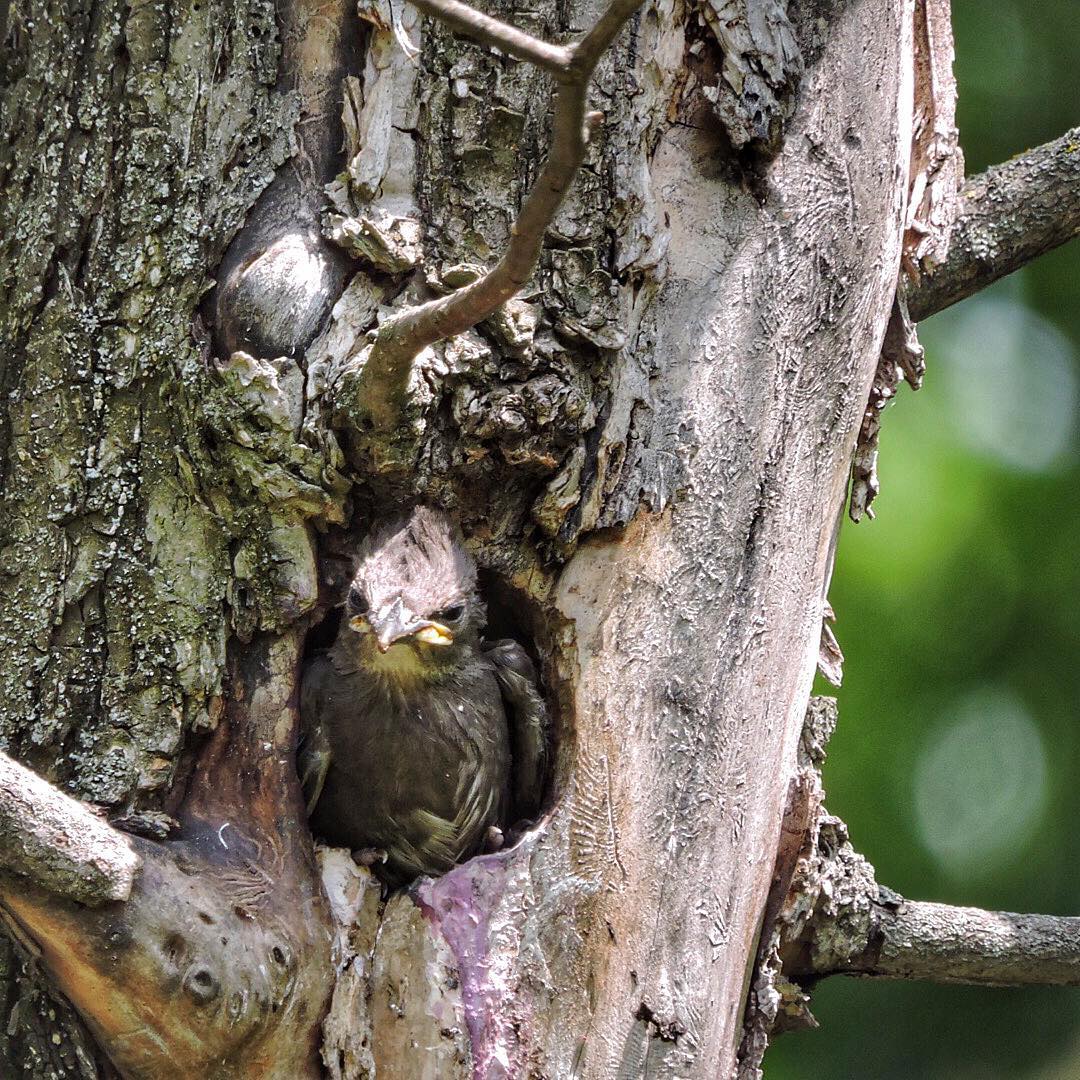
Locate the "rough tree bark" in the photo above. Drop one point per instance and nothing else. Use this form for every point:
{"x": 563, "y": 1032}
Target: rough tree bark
{"x": 648, "y": 451}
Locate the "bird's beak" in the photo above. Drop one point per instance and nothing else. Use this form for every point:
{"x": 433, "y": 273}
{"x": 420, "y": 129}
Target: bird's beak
{"x": 396, "y": 622}
{"x": 434, "y": 633}
{"x": 391, "y": 624}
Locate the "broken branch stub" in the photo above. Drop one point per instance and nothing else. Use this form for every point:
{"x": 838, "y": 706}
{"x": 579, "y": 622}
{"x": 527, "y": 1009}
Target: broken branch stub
{"x": 828, "y": 915}
{"x": 855, "y": 926}
{"x": 60, "y": 844}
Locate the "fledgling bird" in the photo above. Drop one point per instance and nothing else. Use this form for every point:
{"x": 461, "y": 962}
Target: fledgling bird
{"x": 419, "y": 739}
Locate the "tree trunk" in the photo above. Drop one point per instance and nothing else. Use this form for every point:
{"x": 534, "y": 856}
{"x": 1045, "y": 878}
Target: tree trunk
{"x": 648, "y": 453}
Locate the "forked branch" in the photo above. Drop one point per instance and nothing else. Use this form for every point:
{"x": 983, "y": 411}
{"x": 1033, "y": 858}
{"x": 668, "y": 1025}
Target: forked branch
{"x": 483, "y": 28}
{"x": 401, "y": 339}
{"x": 1008, "y": 215}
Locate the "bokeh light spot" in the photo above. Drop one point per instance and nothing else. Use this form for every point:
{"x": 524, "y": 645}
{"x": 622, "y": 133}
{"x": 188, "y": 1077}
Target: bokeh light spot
{"x": 980, "y": 782}
{"x": 1010, "y": 376}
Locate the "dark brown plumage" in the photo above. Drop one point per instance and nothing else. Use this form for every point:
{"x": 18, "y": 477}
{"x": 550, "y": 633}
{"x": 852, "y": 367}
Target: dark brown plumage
{"x": 419, "y": 738}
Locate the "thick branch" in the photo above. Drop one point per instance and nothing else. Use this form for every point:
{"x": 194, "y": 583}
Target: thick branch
{"x": 58, "y": 843}
{"x": 949, "y": 944}
{"x": 1008, "y": 215}
{"x": 827, "y": 915}
{"x": 400, "y": 340}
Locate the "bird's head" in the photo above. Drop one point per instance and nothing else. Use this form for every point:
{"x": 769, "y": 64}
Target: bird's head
{"x": 412, "y": 605}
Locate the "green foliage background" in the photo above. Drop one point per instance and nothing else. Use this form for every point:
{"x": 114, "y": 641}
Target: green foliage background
{"x": 957, "y": 755}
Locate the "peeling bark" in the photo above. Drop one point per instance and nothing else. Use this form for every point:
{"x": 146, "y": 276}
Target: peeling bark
{"x": 936, "y": 172}
{"x": 761, "y": 63}
{"x": 937, "y": 165}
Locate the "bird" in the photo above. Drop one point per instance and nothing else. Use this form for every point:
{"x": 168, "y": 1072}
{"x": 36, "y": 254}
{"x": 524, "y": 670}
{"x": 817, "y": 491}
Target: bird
{"x": 420, "y": 740}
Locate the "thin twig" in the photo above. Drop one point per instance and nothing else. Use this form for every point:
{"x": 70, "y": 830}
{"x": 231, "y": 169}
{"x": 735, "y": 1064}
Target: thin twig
{"x": 1008, "y": 215}
{"x": 475, "y": 24}
{"x": 387, "y": 369}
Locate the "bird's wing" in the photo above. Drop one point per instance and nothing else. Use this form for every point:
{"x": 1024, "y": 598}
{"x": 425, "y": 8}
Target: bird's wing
{"x": 313, "y": 752}
{"x": 425, "y": 842}
{"x": 526, "y": 713}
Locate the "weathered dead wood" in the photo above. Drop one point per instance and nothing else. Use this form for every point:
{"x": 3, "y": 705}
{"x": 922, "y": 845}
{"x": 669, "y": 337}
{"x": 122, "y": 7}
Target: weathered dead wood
{"x": 649, "y": 454}
{"x": 774, "y": 1003}
{"x": 218, "y": 963}
{"x": 680, "y": 641}
{"x": 901, "y": 359}
{"x": 761, "y": 63}
{"x": 937, "y": 165}
{"x": 839, "y": 921}
{"x": 1008, "y": 215}
{"x": 958, "y": 242}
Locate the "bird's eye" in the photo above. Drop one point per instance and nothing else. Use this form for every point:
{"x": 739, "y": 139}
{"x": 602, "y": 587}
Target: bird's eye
{"x": 358, "y": 602}
{"x": 450, "y": 614}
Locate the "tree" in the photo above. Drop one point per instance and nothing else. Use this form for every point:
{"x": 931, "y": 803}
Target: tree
{"x": 648, "y": 450}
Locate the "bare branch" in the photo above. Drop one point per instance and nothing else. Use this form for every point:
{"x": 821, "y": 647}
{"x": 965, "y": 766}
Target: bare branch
{"x": 59, "y": 843}
{"x": 948, "y": 944}
{"x": 840, "y": 921}
{"x": 386, "y": 372}
{"x": 1007, "y": 216}
{"x": 827, "y": 915}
